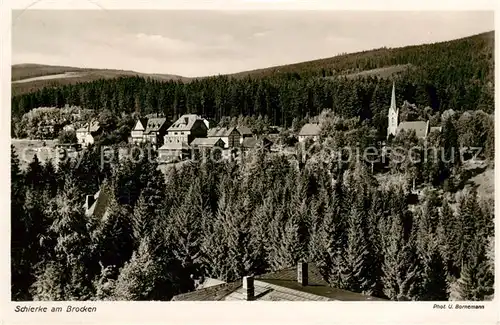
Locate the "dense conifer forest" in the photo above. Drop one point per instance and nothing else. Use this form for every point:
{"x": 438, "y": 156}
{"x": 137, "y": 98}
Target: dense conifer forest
{"x": 267, "y": 211}
{"x": 228, "y": 219}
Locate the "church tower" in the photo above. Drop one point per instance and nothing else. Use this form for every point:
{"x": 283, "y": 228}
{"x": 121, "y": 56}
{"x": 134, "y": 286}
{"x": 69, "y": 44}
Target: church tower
{"x": 393, "y": 114}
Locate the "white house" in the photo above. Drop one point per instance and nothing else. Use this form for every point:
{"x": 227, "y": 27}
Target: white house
{"x": 311, "y": 131}
{"x": 86, "y": 134}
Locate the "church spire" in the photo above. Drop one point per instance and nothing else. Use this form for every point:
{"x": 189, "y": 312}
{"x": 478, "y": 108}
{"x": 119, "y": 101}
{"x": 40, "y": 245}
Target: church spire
{"x": 393, "y": 98}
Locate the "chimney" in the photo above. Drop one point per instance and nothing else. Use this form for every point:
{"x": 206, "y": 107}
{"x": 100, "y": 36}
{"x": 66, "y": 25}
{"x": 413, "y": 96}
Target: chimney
{"x": 248, "y": 288}
{"x": 89, "y": 201}
{"x": 186, "y": 120}
{"x": 302, "y": 273}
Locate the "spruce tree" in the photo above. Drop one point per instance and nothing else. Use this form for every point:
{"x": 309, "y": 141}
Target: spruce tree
{"x": 114, "y": 236}
{"x": 435, "y": 284}
{"x": 147, "y": 277}
{"x": 34, "y": 173}
{"x": 401, "y": 270}
{"x": 476, "y": 282}
{"x": 354, "y": 261}
{"x": 74, "y": 248}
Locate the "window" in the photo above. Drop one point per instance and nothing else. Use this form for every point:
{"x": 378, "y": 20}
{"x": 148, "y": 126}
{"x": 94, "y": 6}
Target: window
{"x": 175, "y": 133}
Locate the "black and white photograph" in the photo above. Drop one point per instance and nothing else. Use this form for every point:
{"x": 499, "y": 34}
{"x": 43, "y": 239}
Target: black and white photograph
{"x": 268, "y": 155}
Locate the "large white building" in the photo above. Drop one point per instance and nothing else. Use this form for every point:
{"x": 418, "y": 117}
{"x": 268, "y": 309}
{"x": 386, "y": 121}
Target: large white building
{"x": 181, "y": 133}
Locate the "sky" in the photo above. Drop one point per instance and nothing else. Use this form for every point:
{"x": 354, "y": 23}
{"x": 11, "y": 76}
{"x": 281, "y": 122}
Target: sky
{"x": 202, "y": 43}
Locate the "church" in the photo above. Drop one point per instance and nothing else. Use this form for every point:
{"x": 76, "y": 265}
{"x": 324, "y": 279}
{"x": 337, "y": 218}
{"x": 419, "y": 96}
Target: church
{"x": 421, "y": 128}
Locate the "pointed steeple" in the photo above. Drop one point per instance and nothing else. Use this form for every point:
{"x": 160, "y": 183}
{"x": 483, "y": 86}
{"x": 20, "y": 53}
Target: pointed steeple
{"x": 393, "y": 97}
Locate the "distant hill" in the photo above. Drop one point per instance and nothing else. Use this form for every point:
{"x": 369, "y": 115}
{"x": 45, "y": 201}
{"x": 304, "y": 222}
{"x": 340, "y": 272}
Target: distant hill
{"x": 31, "y": 77}
{"x": 387, "y": 58}
{"x": 457, "y": 74}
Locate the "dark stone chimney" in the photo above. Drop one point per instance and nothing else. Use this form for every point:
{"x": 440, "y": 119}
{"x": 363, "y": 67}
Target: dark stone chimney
{"x": 302, "y": 273}
{"x": 248, "y": 288}
{"x": 89, "y": 201}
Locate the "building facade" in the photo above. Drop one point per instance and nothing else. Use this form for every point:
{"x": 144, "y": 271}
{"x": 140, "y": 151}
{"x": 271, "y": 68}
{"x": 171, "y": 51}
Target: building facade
{"x": 180, "y": 135}
{"x": 86, "y": 134}
{"x": 309, "y": 131}
{"x": 231, "y": 136}
{"x": 149, "y": 130}
{"x": 421, "y": 128}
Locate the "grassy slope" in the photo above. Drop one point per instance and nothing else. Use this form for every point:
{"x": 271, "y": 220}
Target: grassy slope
{"x": 28, "y": 71}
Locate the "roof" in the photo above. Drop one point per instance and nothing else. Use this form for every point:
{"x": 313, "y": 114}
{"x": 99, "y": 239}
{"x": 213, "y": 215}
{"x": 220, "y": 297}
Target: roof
{"x": 144, "y": 122}
{"x": 184, "y": 123}
{"x": 206, "y": 141}
{"x": 208, "y": 282}
{"x": 277, "y": 286}
{"x": 287, "y": 278}
{"x": 93, "y": 127}
{"x": 102, "y": 199}
{"x": 221, "y": 132}
{"x": 155, "y": 124}
{"x": 213, "y": 293}
{"x": 435, "y": 128}
{"x": 253, "y": 142}
{"x": 174, "y": 146}
{"x": 244, "y": 131}
{"x": 310, "y": 129}
{"x": 420, "y": 127}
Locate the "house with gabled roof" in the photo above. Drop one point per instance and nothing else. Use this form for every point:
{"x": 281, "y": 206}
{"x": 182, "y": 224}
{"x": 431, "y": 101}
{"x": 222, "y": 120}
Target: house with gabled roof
{"x": 309, "y": 131}
{"x": 156, "y": 128}
{"x": 301, "y": 283}
{"x": 86, "y": 134}
{"x": 208, "y": 143}
{"x": 151, "y": 130}
{"x": 231, "y": 136}
{"x": 97, "y": 205}
{"x": 245, "y": 132}
{"x": 180, "y": 135}
{"x": 137, "y": 133}
{"x": 256, "y": 142}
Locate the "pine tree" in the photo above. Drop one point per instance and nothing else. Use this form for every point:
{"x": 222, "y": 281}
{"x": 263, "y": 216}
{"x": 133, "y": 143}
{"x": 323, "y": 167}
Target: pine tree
{"x": 444, "y": 236}
{"x": 354, "y": 263}
{"x": 114, "y": 236}
{"x": 435, "y": 284}
{"x": 401, "y": 270}
{"x": 476, "y": 282}
{"x": 141, "y": 220}
{"x": 148, "y": 276}
{"x": 186, "y": 222}
{"x": 34, "y": 173}
{"x": 50, "y": 177}
{"x": 74, "y": 247}
{"x": 49, "y": 284}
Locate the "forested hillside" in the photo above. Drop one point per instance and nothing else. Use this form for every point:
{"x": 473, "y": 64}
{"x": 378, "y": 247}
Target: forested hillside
{"x": 410, "y": 229}
{"x": 266, "y": 212}
{"x": 454, "y": 75}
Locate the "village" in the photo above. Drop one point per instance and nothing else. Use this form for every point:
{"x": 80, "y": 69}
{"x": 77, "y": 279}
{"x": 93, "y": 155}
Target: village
{"x": 191, "y": 134}
{"x": 362, "y": 176}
